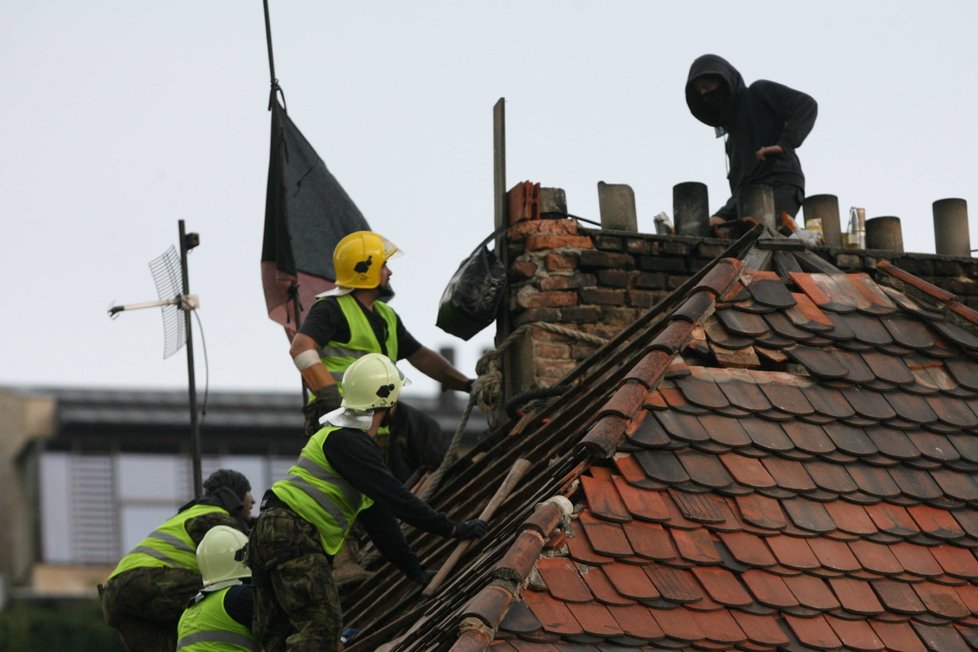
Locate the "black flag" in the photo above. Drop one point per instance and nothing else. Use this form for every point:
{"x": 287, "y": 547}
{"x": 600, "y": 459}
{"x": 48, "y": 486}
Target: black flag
{"x": 306, "y": 213}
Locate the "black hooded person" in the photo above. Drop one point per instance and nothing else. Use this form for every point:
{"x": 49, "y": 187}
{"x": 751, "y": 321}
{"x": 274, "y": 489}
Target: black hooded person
{"x": 764, "y": 124}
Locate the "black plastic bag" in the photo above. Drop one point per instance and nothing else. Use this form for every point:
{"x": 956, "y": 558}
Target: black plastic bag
{"x": 471, "y": 299}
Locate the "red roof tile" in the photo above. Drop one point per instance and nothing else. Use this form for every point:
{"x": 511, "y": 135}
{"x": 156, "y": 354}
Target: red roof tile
{"x": 562, "y": 579}
{"x": 856, "y": 596}
{"x": 814, "y": 632}
{"x": 855, "y": 634}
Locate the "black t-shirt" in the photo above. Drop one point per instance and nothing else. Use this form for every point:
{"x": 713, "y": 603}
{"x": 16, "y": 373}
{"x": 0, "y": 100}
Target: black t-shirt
{"x": 239, "y": 602}
{"x": 326, "y": 322}
{"x": 356, "y": 457}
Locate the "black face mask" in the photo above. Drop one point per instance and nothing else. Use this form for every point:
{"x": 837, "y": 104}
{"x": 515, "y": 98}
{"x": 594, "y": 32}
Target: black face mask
{"x": 717, "y": 107}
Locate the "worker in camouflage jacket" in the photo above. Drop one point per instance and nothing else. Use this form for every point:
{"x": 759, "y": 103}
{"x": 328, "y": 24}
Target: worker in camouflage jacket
{"x": 149, "y": 588}
{"x": 339, "y": 479}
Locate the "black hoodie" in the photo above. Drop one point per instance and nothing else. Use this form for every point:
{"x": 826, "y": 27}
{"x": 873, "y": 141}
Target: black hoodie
{"x": 765, "y": 113}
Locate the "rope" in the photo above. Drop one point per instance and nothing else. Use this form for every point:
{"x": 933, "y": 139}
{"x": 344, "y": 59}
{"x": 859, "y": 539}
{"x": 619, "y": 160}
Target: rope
{"x": 487, "y": 390}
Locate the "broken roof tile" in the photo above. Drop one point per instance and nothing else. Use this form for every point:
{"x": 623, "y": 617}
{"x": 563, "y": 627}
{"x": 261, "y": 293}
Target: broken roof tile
{"x": 602, "y": 588}
{"x": 580, "y": 549}
{"x": 645, "y": 505}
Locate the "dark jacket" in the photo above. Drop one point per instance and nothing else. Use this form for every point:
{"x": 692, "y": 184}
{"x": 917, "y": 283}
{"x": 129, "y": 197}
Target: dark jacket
{"x": 764, "y": 113}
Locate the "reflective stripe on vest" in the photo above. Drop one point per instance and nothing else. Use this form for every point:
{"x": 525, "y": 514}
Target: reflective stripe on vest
{"x": 337, "y": 356}
{"x": 320, "y": 495}
{"x": 207, "y": 627}
{"x": 169, "y": 545}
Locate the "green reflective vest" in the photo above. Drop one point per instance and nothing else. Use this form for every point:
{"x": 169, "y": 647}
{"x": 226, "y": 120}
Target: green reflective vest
{"x": 337, "y": 356}
{"x": 320, "y": 495}
{"x": 169, "y": 545}
{"x": 207, "y": 627}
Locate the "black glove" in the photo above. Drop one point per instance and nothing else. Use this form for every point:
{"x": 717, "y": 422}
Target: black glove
{"x": 327, "y": 399}
{"x": 474, "y": 529}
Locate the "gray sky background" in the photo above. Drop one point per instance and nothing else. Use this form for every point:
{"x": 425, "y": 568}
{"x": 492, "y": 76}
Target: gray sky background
{"x": 121, "y": 117}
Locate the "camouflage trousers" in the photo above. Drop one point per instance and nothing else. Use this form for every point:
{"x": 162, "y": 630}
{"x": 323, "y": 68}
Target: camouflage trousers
{"x": 297, "y": 606}
{"x": 145, "y": 604}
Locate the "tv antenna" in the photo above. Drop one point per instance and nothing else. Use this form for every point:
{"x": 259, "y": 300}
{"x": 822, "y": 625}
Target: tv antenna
{"x": 169, "y": 272}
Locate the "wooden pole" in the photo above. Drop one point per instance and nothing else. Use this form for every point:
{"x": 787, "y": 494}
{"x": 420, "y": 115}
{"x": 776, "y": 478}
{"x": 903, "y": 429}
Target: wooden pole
{"x": 520, "y": 467}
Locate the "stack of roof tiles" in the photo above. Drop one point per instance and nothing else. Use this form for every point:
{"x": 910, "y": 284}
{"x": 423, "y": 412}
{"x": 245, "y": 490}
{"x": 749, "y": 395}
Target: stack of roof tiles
{"x": 776, "y": 462}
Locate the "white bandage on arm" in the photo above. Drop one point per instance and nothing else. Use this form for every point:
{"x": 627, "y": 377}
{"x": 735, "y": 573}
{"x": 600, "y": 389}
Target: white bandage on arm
{"x": 306, "y": 359}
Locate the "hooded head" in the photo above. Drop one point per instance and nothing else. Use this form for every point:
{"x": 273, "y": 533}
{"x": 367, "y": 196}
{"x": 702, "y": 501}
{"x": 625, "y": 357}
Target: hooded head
{"x": 712, "y": 89}
{"x": 226, "y": 488}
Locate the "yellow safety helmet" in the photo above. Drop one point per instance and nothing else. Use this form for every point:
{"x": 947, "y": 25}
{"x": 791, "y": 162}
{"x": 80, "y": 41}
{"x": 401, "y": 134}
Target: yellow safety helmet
{"x": 220, "y": 558}
{"x": 372, "y": 382}
{"x": 359, "y": 257}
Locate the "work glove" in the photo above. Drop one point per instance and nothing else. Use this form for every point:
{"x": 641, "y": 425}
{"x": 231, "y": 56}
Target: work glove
{"x": 327, "y": 399}
{"x": 423, "y": 577}
{"x": 474, "y": 529}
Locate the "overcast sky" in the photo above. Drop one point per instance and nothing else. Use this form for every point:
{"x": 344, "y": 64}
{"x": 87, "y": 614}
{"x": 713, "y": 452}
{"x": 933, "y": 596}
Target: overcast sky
{"x": 121, "y": 117}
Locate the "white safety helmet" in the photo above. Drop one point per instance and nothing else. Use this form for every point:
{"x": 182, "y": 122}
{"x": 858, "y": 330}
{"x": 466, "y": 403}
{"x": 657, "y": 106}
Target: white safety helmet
{"x": 220, "y": 558}
{"x": 372, "y": 382}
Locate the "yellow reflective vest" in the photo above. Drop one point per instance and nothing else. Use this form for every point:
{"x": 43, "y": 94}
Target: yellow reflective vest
{"x": 169, "y": 545}
{"x": 206, "y": 626}
{"x": 320, "y": 495}
{"x": 337, "y": 356}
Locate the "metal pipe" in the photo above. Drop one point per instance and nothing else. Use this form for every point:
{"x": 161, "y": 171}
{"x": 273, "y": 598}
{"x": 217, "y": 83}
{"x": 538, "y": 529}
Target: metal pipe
{"x": 757, "y": 201}
{"x": 691, "y": 208}
{"x": 884, "y": 233}
{"x": 951, "y": 235}
{"x": 825, "y": 208}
